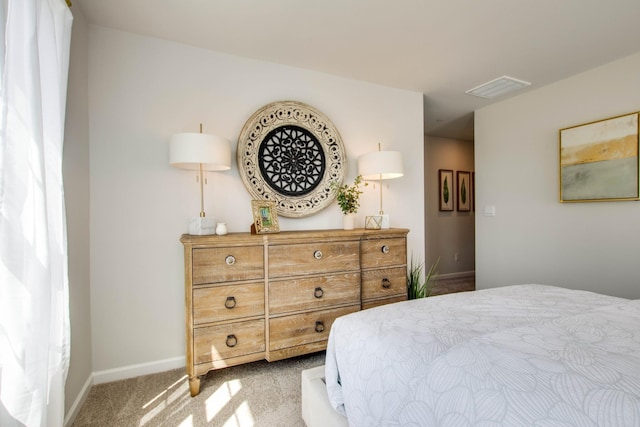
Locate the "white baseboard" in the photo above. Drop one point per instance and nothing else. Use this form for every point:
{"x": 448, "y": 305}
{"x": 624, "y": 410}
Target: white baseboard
{"x": 116, "y": 374}
{"x": 459, "y": 275}
{"x": 70, "y": 416}
{"x": 132, "y": 371}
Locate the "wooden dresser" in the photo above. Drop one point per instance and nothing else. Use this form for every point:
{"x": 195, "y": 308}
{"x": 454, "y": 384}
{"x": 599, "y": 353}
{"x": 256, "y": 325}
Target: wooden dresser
{"x": 273, "y": 296}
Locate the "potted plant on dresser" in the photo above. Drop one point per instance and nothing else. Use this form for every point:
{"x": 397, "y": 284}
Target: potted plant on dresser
{"x": 348, "y": 197}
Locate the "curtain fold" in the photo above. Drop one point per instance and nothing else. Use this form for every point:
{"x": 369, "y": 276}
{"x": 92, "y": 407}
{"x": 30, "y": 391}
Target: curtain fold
{"x": 34, "y": 310}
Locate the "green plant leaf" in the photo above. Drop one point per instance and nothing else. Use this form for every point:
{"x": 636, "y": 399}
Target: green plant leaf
{"x": 348, "y": 197}
{"x": 445, "y": 191}
{"x": 417, "y": 287}
{"x": 463, "y": 192}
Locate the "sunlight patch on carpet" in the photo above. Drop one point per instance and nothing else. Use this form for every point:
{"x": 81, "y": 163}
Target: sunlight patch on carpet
{"x": 242, "y": 417}
{"x": 221, "y": 397}
{"x": 188, "y": 422}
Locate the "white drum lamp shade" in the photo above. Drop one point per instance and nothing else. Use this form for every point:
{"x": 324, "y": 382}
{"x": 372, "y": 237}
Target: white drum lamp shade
{"x": 380, "y": 165}
{"x": 202, "y": 152}
{"x": 190, "y": 150}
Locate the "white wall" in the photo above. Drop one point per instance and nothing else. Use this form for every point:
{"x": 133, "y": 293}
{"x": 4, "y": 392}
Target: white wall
{"x": 534, "y": 238}
{"x": 141, "y": 91}
{"x": 448, "y": 232}
{"x": 76, "y": 186}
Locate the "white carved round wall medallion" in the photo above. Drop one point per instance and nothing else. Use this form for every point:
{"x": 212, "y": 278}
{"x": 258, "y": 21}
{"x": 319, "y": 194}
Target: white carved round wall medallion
{"x": 291, "y": 153}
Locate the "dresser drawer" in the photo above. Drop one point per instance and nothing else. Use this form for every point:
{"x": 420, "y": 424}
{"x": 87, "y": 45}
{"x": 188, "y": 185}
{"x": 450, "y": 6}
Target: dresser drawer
{"x": 229, "y": 302}
{"x": 384, "y": 283}
{"x": 303, "y": 329}
{"x": 378, "y": 302}
{"x": 312, "y": 258}
{"x": 215, "y": 343}
{"x": 227, "y": 264}
{"x": 383, "y": 252}
{"x": 313, "y": 293}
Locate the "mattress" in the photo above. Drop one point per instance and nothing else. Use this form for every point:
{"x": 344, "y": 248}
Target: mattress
{"x": 517, "y": 355}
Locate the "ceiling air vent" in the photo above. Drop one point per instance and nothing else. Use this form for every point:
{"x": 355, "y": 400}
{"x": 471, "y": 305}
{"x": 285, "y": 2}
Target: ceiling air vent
{"x": 497, "y": 87}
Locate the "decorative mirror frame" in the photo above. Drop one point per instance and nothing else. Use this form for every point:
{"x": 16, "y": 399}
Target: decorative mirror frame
{"x": 264, "y": 162}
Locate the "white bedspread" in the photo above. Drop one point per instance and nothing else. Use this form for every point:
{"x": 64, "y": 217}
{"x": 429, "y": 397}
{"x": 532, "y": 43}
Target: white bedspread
{"x": 515, "y": 356}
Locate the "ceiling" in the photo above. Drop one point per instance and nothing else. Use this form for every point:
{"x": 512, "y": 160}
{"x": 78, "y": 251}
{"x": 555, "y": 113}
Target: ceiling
{"x": 440, "y": 48}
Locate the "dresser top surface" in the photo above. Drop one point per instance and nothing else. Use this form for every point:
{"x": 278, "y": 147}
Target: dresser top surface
{"x": 293, "y": 236}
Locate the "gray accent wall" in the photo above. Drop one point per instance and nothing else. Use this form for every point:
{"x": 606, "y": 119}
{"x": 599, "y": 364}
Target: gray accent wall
{"x": 533, "y": 238}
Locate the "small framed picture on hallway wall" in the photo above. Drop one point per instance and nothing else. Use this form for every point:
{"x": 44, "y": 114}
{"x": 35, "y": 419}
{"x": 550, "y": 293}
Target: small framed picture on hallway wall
{"x": 464, "y": 191}
{"x": 446, "y": 189}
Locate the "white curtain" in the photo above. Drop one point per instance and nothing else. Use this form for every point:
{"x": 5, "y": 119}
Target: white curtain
{"x": 34, "y": 313}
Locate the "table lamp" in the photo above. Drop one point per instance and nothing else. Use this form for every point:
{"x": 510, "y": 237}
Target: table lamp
{"x": 202, "y": 152}
{"x": 379, "y": 165}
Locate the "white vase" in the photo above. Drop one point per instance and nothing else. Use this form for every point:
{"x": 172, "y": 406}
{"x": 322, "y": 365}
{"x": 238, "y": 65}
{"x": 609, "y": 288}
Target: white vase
{"x": 221, "y": 229}
{"x": 349, "y": 221}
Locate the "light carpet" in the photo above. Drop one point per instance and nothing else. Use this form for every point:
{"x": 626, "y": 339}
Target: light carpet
{"x": 255, "y": 394}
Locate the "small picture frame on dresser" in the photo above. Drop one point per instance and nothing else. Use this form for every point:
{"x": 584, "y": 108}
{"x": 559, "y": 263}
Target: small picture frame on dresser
{"x": 265, "y": 216}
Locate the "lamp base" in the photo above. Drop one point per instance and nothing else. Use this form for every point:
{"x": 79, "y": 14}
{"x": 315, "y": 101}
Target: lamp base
{"x": 200, "y": 226}
{"x": 373, "y": 222}
{"x": 376, "y": 222}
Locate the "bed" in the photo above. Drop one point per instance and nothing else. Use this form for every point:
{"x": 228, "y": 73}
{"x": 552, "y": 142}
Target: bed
{"x": 518, "y": 355}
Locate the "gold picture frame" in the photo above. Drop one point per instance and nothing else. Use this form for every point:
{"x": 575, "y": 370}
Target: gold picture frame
{"x": 599, "y": 161}
{"x": 265, "y": 216}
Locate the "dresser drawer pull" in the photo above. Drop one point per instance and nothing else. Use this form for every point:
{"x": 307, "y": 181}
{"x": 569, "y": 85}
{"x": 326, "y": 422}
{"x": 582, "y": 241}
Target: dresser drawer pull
{"x": 230, "y": 302}
{"x": 319, "y": 326}
{"x": 231, "y": 340}
{"x": 385, "y": 249}
{"x": 386, "y": 283}
{"x": 230, "y": 260}
{"x": 318, "y": 292}
{"x": 317, "y": 254}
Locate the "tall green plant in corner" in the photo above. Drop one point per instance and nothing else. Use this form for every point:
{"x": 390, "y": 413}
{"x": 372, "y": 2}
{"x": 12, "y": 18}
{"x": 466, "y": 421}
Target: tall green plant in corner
{"x": 417, "y": 287}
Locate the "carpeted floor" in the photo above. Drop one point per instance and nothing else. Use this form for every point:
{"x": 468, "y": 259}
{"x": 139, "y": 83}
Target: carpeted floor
{"x": 254, "y": 394}
{"x": 452, "y": 285}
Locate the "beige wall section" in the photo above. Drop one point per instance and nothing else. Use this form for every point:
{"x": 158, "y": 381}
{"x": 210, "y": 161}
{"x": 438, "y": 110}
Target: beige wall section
{"x": 447, "y": 233}
{"x": 76, "y": 186}
{"x": 141, "y": 91}
{"x": 533, "y": 238}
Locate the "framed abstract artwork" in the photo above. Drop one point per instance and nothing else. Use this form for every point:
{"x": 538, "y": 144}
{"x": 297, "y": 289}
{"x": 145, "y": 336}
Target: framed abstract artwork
{"x": 446, "y": 190}
{"x": 599, "y": 160}
{"x": 463, "y": 179}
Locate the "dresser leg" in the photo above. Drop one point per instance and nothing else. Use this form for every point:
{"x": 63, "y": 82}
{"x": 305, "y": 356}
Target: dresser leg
{"x": 194, "y": 386}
